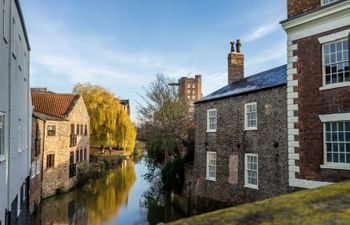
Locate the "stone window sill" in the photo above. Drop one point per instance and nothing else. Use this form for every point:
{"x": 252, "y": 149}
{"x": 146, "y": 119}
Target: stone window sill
{"x": 334, "y": 166}
{"x": 333, "y": 86}
{"x": 211, "y": 131}
{"x": 211, "y": 179}
{"x": 251, "y": 186}
{"x": 2, "y": 158}
{"x": 251, "y": 128}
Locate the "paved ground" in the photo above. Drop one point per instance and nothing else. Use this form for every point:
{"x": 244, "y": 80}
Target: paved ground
{"x": 328, "y": 205}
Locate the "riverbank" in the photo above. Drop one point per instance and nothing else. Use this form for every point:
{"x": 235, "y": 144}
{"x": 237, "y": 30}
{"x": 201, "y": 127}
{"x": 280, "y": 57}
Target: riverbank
{"x": 326, "y": 205}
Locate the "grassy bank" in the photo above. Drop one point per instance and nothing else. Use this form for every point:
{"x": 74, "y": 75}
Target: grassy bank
{"x": 326, "y": 205}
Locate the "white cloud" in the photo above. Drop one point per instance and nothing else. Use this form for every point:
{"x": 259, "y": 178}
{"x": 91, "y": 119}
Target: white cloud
{"x": 262, "y": 31}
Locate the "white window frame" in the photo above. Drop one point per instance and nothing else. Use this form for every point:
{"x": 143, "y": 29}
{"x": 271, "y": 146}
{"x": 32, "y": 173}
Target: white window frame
{"x": 208, "y": 165}
{"x": 246, "y": 127}
{"x": 209, "y": 128}
{"x": 328, "y": 39}
{"x": 327, "y": 2}
{"x": 3, "y": 147}
{"x": 246, "y": 184}
{"x": 341, "y": 117}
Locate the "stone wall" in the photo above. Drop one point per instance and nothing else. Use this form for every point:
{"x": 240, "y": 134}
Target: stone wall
{"x": 232, "y": 142}
{"x": 313, "y": 102}
{"x": 57, "y": 178}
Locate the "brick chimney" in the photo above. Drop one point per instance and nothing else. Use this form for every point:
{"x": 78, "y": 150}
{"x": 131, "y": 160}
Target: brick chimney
{"x": 235, "y": 63}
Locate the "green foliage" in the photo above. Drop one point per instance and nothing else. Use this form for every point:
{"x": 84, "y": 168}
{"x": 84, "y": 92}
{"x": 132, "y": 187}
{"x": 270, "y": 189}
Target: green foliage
{"x": 109, "y": 122}
{"x": 137, "y": 154}
{"x": 86, "y": 173}
{"x": 173, "y": 175}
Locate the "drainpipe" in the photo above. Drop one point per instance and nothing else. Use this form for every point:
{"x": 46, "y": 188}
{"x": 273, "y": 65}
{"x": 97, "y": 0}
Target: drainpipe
{"x": 9, "y": 109}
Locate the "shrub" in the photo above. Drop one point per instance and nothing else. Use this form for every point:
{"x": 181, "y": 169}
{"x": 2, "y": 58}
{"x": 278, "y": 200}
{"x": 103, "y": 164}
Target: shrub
{"x": 173, "y": 175}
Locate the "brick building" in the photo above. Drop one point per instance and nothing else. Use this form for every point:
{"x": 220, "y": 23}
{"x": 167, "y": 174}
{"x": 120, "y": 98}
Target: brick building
{"x": 64, "y": 126}
{"x": 190, "y": 88}
{"x": 318, "y": 91}
{"x": 241, "y": 140}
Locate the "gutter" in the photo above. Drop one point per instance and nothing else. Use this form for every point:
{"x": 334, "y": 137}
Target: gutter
{"x": 18, "y": 5}
{"x": 239, "y": 94}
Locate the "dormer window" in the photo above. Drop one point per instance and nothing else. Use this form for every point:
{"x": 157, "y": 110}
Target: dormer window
{"x": 326, "y": 2}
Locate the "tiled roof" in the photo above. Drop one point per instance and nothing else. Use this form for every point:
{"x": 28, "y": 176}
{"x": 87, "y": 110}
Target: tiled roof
{"x": 264, "y": 80}
{"x": 58, "y": 105}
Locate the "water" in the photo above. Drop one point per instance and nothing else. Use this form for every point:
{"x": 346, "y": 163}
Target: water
{"x": 123, "y": 197}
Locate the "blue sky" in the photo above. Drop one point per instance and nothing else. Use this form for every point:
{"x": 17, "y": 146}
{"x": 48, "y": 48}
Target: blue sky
{"x": 123, "y": 44}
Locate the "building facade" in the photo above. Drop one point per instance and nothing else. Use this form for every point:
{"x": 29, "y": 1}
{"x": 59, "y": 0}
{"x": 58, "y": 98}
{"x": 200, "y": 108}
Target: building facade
{"x": 241, "y": 140}
{"x": 318, "y": 92}
{"x": 15, "y": 115}
{"x": 190, "y": 89}
{"x": 65, "y": 139}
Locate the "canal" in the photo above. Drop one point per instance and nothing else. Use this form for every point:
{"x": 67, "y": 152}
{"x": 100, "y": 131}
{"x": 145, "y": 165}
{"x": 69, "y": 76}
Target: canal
{"x": 123, "y": 196}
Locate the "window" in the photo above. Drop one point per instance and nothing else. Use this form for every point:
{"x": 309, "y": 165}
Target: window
{"x": 20, "y": 59}
{"x": 211, "y": 120}
{"x": 38, "y": 167}
{"x": 337, "y": 142}
{"x": 188, "y": 85}
{"x": 211, "y": 166}
{"x": 33, "y": 170}
{"x": 81, "y": 155}
{"x": 4, "y": 19}
{"x": 78, "y": 129}
{"x": 77, "y": 156}
{"x": 86, "y": 130}
{"x": 250, "y": 116}
{"x": 71, "y": 158}
{"x": 193, "y": 86}
{"x": 72, "y": 128}
{"x": 51, "y": 130}
{"x": 50, "y": 162}
{"x": 81, "y": 129}
{"x": 14, "y": 43}
{"x": 336, "y": 62}
{"x": 2, "y": 134}
{"x": 326, "y": 2}
{"x": 85, "y": 154}
{"x": 251, "y": 171}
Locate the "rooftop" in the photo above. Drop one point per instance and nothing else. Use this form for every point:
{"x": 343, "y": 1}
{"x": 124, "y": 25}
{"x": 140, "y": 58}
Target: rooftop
{"x": 264, "y": 80}
{"x": 325, "y": 205}
{"x": 53, "y": 104}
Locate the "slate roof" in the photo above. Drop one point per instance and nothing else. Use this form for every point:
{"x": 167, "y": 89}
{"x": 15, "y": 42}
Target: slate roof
{"x": 53, "y": 104}
{"x": 264, "y": 80}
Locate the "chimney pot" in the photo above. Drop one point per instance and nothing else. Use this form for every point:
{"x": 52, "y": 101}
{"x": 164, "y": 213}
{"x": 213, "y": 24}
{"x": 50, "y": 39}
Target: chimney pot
{"x": 235, "y": 63}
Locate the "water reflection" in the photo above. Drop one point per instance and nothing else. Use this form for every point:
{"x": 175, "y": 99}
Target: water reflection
{"x": 123, "y": 196}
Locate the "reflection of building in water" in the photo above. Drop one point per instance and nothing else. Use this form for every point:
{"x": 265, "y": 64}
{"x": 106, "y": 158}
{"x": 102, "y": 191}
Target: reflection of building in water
{"x": 98, "y": 203}
{"x": 63, "y": 210}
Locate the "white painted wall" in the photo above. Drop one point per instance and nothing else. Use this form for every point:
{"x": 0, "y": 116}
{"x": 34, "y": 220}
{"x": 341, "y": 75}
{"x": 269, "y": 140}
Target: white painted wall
{"x": 15, "y": 101}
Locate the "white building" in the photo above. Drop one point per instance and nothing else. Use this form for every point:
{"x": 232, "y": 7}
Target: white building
{"x": 15, "y": 115}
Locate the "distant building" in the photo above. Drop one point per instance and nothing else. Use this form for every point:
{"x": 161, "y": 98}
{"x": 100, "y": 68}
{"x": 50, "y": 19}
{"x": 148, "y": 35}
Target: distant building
{"x": 240, "y": 137}
{"x": 126, "y": 105}
{"x": 190, "y": 89}
{"x": 15, "y": 115}
{"x": 61, "y": 125}
{"x": 318, "y": 34}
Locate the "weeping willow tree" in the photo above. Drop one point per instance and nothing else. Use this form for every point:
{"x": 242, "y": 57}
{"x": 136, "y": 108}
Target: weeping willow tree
{"x": 110, "y": 124}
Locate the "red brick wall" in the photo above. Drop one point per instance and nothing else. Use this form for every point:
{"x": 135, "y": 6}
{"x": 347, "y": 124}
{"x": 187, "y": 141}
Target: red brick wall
{"x": 312, "y": 103}
{"x": 296, "y": 7}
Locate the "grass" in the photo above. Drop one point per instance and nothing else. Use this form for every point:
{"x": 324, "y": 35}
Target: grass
{"x": 327, "y": 205}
